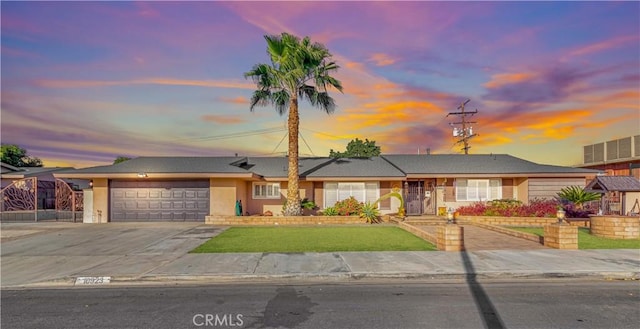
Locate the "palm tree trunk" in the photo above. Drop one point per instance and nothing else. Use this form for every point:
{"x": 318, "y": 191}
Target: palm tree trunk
{"x": 293, "y": 207}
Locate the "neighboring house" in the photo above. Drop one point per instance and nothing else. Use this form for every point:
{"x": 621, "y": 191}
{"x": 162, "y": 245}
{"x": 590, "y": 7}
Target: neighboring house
{"x": 190, "y": 188}
{"x": 618, "y": 157}
{"x": 46, "y": 181}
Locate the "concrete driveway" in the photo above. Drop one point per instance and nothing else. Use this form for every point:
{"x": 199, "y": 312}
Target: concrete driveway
{"x": 45, "y": 252}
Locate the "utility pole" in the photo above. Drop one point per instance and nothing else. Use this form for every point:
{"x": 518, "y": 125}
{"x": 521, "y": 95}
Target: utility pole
{"x": 465, "y": 132}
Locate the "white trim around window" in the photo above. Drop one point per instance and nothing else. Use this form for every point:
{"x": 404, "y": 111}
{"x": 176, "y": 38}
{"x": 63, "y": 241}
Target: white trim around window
{"x": 478, "y": 189}
{"x": 361, "y": 191}
{"x": 262, "y": 190}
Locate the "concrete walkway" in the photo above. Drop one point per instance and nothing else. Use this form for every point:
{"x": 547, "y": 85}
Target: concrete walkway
{"x": 158, "y": 253}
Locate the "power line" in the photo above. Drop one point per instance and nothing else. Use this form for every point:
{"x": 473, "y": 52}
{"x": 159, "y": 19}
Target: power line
{"x": 238, "y": 134}
{"x": 464, "y": 133}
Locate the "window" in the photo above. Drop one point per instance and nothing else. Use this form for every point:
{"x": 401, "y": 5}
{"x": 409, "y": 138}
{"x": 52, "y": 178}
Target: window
{"x": 361, "y": 191}
{"x": 266, "y": 190}
{"x": 478, "y": 189}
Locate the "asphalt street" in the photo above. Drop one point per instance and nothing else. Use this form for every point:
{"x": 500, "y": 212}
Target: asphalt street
{"x": 552, "y": 303}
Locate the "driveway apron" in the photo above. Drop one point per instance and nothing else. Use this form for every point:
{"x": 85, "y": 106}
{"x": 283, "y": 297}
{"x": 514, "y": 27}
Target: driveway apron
{"x": 123, "y": 249}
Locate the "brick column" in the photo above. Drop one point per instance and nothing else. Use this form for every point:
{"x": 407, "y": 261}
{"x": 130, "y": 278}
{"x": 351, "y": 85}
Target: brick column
{"x": 450, "y": 237}
{"x": 561, "y": 236}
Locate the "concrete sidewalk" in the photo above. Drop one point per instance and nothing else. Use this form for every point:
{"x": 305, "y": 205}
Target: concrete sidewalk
{"x": 138, "y": 254}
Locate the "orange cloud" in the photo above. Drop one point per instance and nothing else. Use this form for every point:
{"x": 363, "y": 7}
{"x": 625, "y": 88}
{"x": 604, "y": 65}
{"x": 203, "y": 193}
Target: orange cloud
{"x": 222, "y": 119}
{"x": 380, "y": 59}
{"x": 234, "y": 100}
{"x": 499, "y": 80}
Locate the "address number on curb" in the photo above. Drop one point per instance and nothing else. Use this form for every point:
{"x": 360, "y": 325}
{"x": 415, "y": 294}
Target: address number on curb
{"x": 92, "y": 280}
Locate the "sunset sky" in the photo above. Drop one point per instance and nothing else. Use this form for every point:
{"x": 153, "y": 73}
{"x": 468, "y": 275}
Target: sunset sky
{"x": 85, "y": 82}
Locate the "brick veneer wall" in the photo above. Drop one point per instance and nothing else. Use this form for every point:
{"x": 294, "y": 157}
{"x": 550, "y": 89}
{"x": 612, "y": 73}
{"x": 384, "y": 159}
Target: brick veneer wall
{"x": 561, "y": 236}
{"x": 417, "y": 232}
{"x": 282, "y": 220}
{"x": 508, "y": 221}
{"x": 616, "y": 227}
{"x": 450, "y": 237}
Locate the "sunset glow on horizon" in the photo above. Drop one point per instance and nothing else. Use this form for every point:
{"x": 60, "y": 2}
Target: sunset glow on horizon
{"x": 86, "y": 82}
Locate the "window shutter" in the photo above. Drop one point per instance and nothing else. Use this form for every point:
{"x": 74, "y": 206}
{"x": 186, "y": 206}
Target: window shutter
{"x": 358, "y": 191}
{"x": 483, "y": 190}
{"x": 461, "y": 190}
{"x": 496, "y": 189}
{"x": 371, "y": 192}
{"x": 330, "y": 194}
{"x": 344, "y": 191}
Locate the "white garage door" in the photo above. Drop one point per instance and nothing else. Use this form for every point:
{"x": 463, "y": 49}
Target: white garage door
{"x": 147, "y": 201}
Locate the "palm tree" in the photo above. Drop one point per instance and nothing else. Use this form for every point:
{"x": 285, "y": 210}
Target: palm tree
{"x": 298, "y": 69}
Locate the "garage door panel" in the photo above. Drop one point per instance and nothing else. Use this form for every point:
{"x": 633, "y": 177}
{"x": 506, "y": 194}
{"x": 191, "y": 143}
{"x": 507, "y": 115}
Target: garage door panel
{"x": 159, "y": 201}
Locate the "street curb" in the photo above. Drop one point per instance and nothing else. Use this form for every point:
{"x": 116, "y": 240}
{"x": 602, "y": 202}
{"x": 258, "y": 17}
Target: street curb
{"x": 324, "y": 277}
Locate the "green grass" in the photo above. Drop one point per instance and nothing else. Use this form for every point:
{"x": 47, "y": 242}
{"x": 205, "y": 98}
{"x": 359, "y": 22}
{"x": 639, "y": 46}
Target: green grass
{"x": 313, "y": 239}
{"x": 588, "y": 241}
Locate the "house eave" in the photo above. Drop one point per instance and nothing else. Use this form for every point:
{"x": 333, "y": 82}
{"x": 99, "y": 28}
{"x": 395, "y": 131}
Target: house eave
{"x": 156, "y": 175}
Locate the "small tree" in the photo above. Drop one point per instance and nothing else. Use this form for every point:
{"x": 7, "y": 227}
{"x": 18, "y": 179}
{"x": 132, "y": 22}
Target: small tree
{"x": 358, "y": 149}
{"x": 577, "y": 195}
{"x": 120, "y": 159}
{"x": 16, "y": 156}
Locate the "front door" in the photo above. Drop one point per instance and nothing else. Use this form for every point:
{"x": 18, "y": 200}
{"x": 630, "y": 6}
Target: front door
{"x": 414, "y": 197}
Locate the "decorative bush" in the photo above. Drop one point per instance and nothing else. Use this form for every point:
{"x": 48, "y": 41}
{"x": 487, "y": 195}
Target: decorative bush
{"x": 511, "y": 208}
{"x": 308, "y": 204}
{"x": 573, "y": 210}
{"x": 330, "y": 211}
{"x": 577, "y": 195}
{"x": 348, "y": 207}
{"x": 370, "y": 213}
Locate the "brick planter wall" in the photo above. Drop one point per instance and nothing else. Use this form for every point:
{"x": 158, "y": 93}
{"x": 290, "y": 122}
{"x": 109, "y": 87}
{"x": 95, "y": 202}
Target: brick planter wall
{"x": 282, "y": 220}
{"x": 616, "y": 227}
{"x": 515, "y": 221}
{"x": 561, "y": 236}
{"x": 418, "y": 232}
{"x": 450, "y": 237}
{"x": 508, "y": 221}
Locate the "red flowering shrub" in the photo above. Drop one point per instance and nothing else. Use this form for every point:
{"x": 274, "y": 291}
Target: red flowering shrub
{"x": 474, "y": 209}
{"x": 511, "y": 208}
{"x": 348, "y": 207}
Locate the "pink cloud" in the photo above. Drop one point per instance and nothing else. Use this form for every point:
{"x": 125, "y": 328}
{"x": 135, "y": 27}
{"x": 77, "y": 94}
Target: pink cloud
{"x": 153, "y": 81}
{"x": 380, "y": 59}
{"x": 222, "y": 119}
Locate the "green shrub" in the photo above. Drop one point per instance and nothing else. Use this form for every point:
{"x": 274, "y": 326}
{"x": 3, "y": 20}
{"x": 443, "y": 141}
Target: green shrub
{"x": 308, "y": 204}
{"x": 370, "y": 213}
{"x": 577, "y": 195}
{"x": 330, "y": 211}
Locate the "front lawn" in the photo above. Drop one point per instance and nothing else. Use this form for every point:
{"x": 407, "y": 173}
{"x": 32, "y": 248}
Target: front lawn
{"x": 314, "y": 239}
{"x": 588, "y": 241}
